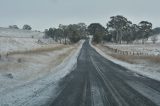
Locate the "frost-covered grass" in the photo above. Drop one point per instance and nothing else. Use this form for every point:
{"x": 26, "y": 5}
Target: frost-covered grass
{"x": 32, "y": 67}
{"x": 146, "y": 49}
{"x": 17, "y": 40}
{"x": 24, "y": 44}
{"x": 7, "y": 32}
{"x": 26, "y": 83}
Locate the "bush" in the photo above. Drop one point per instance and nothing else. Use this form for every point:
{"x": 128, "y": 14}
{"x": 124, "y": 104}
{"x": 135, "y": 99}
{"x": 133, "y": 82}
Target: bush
{"x": 27, "y": 27}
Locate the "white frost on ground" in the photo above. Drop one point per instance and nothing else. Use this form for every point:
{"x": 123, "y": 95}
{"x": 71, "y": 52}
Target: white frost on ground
{"x": 140, "y": 69}
{"x": 150, "y": 49}
{"x": 147, "y": 48}
{"x": 7, "y": 32}
{"x": 22, "y": 40}
{"x": 41, "y": 90}
{"x": 33, "y": 81}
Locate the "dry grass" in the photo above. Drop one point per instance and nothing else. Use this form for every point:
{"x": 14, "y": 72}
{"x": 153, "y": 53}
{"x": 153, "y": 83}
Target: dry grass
{"x": 128, "y": 59}
{"x": 134, "y": 59}
{"x": 155, "y": 59}
{"x": 61, "y": 57}
{"x": 38, "y": 50}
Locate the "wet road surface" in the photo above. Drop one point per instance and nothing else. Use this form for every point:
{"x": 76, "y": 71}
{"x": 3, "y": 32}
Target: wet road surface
{"x": 97, "y": 81}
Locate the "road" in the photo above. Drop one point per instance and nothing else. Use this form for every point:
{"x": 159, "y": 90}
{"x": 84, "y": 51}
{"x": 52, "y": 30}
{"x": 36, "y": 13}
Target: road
{"x": 97, "y": 81}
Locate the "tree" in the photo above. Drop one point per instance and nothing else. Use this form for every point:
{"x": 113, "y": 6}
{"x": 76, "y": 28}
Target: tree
{"x": 50, "y": 33}
{"x": 13, "y": 27}
{"x": 46, "y": 33}
{"x": 98, "y": 32}
{"x": 119, "y": 24}
{"x": 58, "y": 33}
{"x": 64, "y": 29}
{"x": 154, "y": 39}
{"x": 74, "y": 33}
{"x": 27, "y": 27}
{"x": 83, "y": 29}
{"x": 156, "y": 31}
{"x": 145, "y": 30}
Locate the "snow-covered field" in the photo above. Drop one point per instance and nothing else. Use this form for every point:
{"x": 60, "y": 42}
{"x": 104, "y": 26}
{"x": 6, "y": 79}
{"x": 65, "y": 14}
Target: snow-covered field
{"x": 137, "y": 47}
{"x": 35, "y": 83}
{"x": 146, "y": 49}
{"x": 7, "y": 32}
{"x": 13, "y": 40}
{"x": 30, "y": 78}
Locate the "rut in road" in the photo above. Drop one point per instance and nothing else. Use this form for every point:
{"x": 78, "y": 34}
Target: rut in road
{"x": 97, "y": 81}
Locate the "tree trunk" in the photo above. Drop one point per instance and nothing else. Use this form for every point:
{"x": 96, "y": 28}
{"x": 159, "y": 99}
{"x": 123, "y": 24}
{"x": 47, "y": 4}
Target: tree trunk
{"x": 120, "y": 38}
{"x": 117, "y": 36}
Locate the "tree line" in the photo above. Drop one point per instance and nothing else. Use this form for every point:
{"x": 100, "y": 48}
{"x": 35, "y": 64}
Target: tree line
{"x": 119, "y": 29}
{"x": 25, "y": 27}
{"x": 67, "y": 33}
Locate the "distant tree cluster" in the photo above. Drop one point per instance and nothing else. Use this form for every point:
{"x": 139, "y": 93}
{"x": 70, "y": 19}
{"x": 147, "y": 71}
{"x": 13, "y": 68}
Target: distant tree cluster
{"x": 13, "y": 27}
{"x": 120, "y": 29}
{"x": 25, "y": 27}
{"x": 72, "y": 32}
{"x": 98, "y": 32}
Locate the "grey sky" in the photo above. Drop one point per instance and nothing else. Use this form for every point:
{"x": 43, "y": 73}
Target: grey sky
{"x": 41, "y": 14}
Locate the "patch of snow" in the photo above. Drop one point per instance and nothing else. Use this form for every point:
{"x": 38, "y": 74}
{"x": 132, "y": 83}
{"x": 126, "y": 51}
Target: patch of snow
{"x": 12, "y": 40}
{"x": 149, "y": 49}
{"x": 19, "y": 33}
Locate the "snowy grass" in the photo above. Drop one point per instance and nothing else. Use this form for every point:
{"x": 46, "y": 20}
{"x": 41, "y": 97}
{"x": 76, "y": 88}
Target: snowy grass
{"x": 41, "y": 90}
{"x": 145, "y": 49}
{"x": 46, "y": 48}
{"x": 19, "y": 33}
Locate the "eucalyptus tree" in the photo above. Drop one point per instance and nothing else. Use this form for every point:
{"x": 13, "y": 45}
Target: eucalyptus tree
{"x": 119, "y": 24}
{"x": 64, "y": 29}
{"x": 127, "y": 32}
{"x": 27, "y": 27}
{"x": 74, "y": 33}
{"x": 13, "y": 27}
{"x": 98, "y": 32}
{"x": 83, "y": 29}
{"x": 145, "y": 28}
{"x": 49, "y": 33}
{"x": 58, "y": 33}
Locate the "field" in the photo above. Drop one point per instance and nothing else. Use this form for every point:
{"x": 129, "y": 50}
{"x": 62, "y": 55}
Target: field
{"x": 27, "y": 59}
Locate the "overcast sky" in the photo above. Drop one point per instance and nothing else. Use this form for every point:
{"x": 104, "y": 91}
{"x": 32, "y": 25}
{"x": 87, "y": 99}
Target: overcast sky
{"x": 42, "y": 14}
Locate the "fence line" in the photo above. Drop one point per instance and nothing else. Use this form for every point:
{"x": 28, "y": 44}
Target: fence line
{"x": 134, "y": 53}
